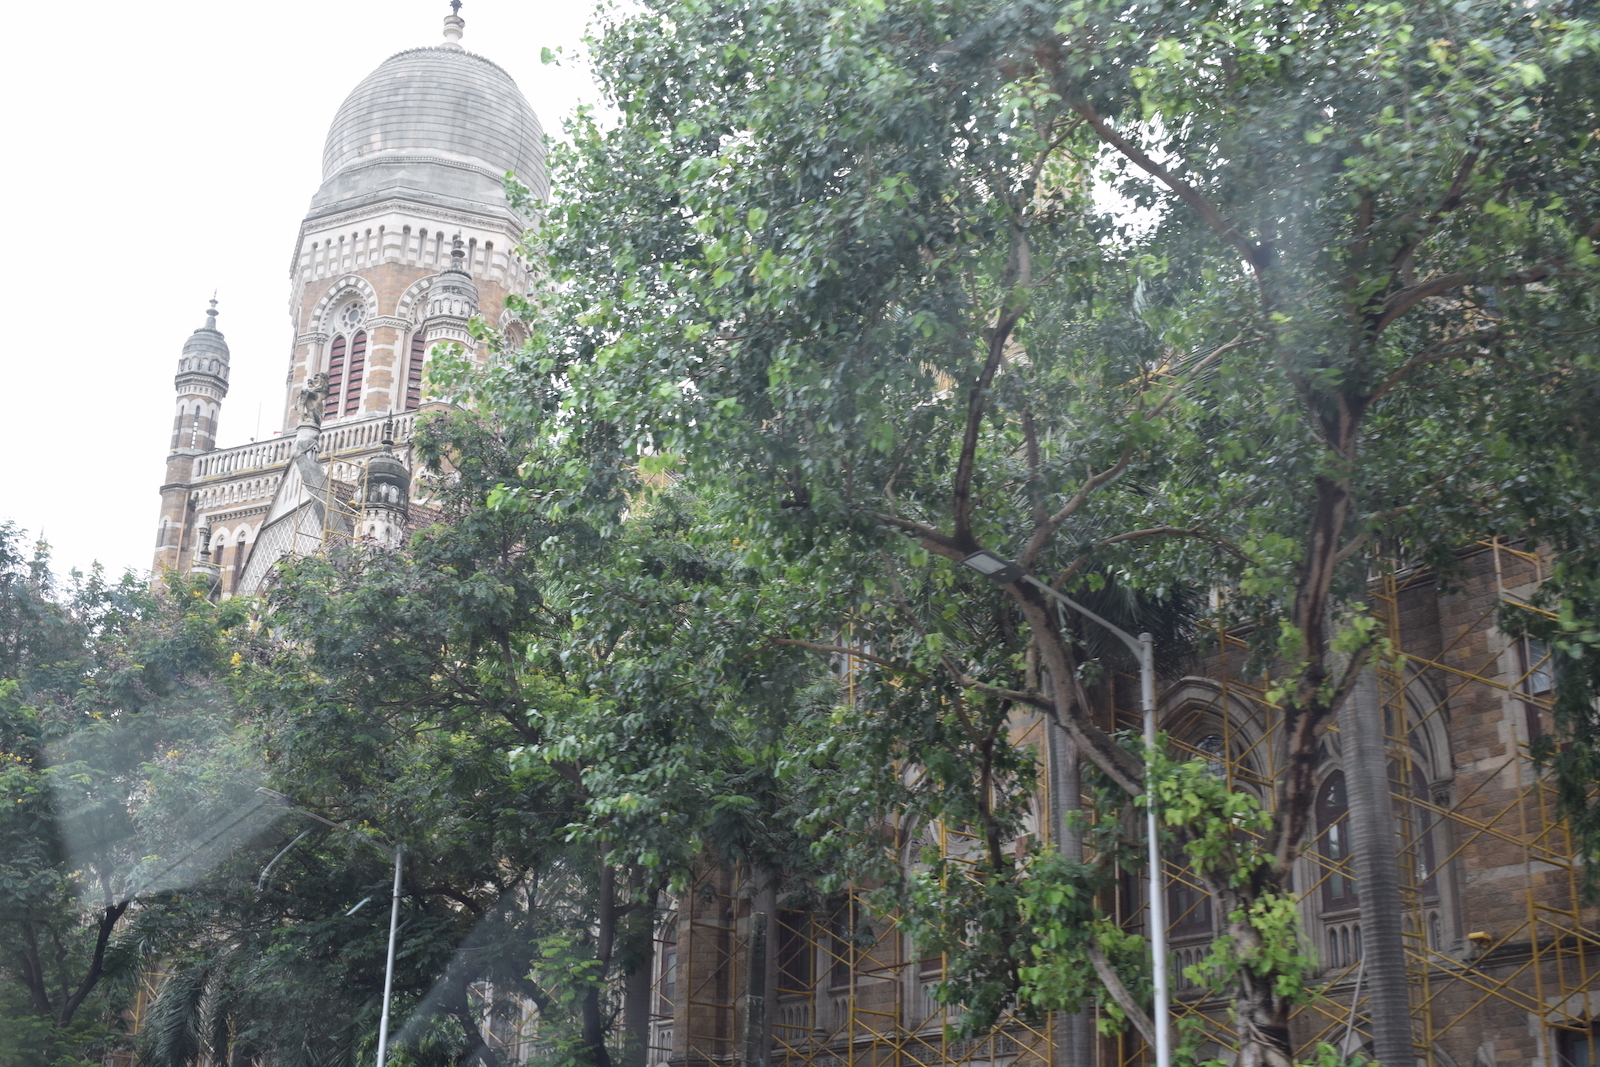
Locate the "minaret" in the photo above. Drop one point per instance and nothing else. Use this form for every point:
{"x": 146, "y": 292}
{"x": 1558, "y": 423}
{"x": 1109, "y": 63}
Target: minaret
{"x": 385, "y": 495}
{"x": 452, "y": 300}
{"x": 201, "y": 383}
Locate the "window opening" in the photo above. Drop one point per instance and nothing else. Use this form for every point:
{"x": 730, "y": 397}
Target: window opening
{"x": 358, "y": 360}
{"x": 1333, "y": 807}
{"x": 330, "y": 407}
{"x": 419, "y": 352}
{"x": 794, "y": 953}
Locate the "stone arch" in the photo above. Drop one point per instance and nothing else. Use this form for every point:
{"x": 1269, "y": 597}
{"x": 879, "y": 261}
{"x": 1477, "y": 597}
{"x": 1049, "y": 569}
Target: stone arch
{"x": 1194, "y": 708}
{"x": 513, "y": 329}
{"x": 342, "y": 288}
{"x": 414, "y": 301}
{"x": 1428, "y": 726}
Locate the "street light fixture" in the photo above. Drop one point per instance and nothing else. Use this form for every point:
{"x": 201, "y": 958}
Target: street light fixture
{"x": 999, "y": 569}
{"x": 394, "y": 906}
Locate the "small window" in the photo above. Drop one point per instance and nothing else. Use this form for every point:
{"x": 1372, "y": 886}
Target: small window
{"x": 419, "y": 352}
{"x": 1421, "y": 830}
{"x": 842, "y": 947}
{"x": 330, "y": 406}
{"x": 1210, "y": 749}
{"x": 1333, "y": 827}
{"x": 1188, "y": 908}
{"x": 669, "y": 978}
{"x": 1578, "y": 1048}
{"x": 794, "y": 953}
{"x": 358, "y": 360}
{"x": 1537, "y": 680}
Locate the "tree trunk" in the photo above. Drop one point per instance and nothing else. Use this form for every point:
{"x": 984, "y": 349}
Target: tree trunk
{"x": 1263, "y": 1019}
{"x": 636, "y": 1013}
{"x": 637, "y": 953}
{"x": 1074, "y": 1031}
{"x": 1372, "y": 836}
{"x": 591, "y": 1014}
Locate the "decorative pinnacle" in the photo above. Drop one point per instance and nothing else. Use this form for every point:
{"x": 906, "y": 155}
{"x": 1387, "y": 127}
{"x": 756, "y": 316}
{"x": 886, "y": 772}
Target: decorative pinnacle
{"x": 211, "y": 315}
{"x": 458, "y": 257}
{"x": 453, "y": 25}
{"x": 388, "y": 423}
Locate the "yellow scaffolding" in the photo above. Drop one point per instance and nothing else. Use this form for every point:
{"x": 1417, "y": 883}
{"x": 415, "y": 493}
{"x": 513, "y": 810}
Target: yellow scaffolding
{"x": 1484, "y": 829}
{"x": 1491, "y": 833}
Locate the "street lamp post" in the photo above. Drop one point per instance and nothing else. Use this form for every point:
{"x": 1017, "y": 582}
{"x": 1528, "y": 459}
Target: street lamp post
{"x": 1006, "y": 572}
{"x": 394, "y": 907}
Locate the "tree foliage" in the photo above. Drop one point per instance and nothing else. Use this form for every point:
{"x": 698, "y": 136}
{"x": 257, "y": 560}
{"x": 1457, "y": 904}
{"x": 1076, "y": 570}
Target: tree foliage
{"x": 103, "y": 687}
{"x": 1258, "y": 297}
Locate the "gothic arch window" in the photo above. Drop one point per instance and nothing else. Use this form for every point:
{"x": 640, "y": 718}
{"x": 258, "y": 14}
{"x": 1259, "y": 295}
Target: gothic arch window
{"x": 1337, "y": 899}
{"x": 1203, "y": 725}
{"x": 353, "y": 376}
{"x": 1338, "y": 892}
{"x": 241, "y": 545}
{"x": 330, "y": 406}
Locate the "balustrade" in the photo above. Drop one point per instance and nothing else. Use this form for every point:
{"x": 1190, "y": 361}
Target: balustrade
{"x": 352, "y": 436}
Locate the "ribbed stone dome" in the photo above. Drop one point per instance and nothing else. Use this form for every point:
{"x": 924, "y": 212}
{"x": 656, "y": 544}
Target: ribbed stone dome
{"x": 438, "y": 122}
{"x": 206, "y": 351}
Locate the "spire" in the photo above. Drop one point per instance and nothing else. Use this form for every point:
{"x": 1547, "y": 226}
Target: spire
{"x": 453, "y": 25}
{"x": 458, "y": 256}
{"x": 211, "y": 315}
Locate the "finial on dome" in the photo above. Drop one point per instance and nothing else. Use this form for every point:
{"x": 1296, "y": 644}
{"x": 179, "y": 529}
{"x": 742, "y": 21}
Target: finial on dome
{"x": 458, "y": 256}
{"x": 453, "y": 25}
{"x": 211, "y": 315}
{"x": 388, "y": 424}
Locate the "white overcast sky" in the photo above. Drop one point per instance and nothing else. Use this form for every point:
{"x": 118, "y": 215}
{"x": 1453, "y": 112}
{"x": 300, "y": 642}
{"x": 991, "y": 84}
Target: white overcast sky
{"x": 155, "y": 152}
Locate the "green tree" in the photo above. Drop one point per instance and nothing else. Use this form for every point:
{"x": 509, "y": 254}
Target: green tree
{"x": 1221, "y": 295}
{"x": 525, "y": 703}
{"x": 101, "y": 685}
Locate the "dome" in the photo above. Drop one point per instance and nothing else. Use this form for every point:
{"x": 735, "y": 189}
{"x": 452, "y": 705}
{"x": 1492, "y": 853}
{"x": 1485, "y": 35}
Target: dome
{"x": 388, "y": 482}
{"x": 206, "y": 351}
{"x": 438, "y": 124}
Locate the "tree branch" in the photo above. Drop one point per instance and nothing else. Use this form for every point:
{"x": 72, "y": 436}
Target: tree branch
{"x": 1009, "y": 315}
{"x": 1119, "y": 992}
{"x": 1016, "y": 696}
{"x": 1427, "y": 356}
{"x": 97, "y": 963}
{"x": 1250, "y": 250}
{"x": 1155, "y": 531}
{"x": 845, "y": 650}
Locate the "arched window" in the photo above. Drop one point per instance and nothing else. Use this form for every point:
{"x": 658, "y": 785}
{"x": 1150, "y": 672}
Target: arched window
{"x": 1333, "y": 838}
{"x": 330, "y": 407}
{"x": 239, "y": 550}
{"x": 1188, "y": 907}
{"x": 358, "y": 362}
{"x": 419, "y": 352}
{"x": 1419, "y": 832}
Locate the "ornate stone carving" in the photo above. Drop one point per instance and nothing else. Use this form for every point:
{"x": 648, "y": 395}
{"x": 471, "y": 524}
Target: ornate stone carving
{"x": 311, "y": 399}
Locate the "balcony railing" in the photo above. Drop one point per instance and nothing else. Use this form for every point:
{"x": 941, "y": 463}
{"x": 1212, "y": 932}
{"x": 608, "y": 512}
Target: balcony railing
{"x": 345, "y": 437}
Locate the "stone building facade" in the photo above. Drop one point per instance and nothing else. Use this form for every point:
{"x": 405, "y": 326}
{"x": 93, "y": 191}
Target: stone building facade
{"x": 409, "y": 236}
{"x": 1483, "y": 954}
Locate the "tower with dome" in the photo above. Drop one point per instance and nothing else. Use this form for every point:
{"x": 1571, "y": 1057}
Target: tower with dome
{"x": 409, "y": 235}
